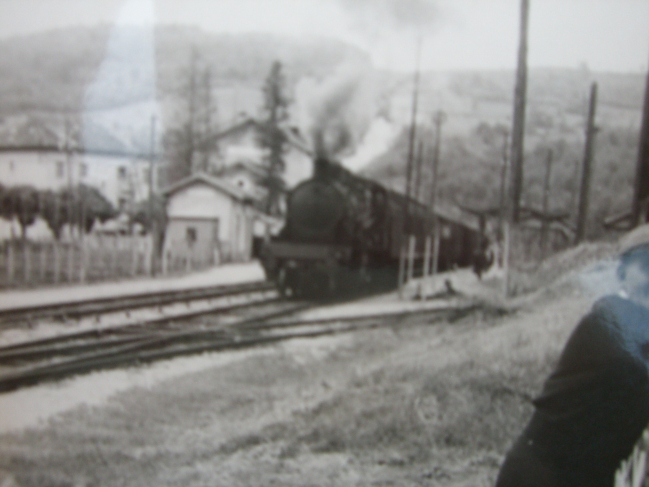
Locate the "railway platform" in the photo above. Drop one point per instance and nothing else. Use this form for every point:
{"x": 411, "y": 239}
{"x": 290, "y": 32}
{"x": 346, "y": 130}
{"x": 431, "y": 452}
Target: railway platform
{"x": 222, "y": 275}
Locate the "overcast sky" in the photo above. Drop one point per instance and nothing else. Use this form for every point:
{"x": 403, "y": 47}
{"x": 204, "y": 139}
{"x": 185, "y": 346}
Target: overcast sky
{"x": 610, "y": 35}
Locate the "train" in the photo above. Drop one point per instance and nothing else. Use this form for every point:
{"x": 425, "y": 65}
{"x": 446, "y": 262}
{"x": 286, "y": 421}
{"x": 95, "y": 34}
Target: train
{"x": 344, "y": 233}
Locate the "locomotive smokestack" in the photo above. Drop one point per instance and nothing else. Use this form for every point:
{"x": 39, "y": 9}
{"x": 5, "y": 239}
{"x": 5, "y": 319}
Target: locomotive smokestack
{"x": 320, "y": 161}
{"x": 318, "y": 144}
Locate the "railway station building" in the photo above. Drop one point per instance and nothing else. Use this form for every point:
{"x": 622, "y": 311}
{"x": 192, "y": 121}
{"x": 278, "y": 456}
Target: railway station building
{"x": 210, "y": 221}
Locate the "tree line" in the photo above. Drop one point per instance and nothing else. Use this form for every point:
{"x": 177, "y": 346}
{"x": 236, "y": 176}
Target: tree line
{"x": 79, "y": 206}
{"x": 191, "y": 145}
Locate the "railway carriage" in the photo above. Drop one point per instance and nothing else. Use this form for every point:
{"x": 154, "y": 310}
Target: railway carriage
{"x": 343, "y": 235}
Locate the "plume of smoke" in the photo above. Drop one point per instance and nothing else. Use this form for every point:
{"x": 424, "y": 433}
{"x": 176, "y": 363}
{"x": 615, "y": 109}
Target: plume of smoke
{"x": 336, "y": 111}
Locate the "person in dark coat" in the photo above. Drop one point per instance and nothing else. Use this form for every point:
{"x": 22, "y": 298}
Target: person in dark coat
{"x": 595, "y": 405}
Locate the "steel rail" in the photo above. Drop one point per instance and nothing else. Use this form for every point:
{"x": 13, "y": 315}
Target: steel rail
{"x": 95, "y": 340}
{"x": 80, "y": 308}
{"x": 268, "y": 296}
{"x": 145, "y": 348}
{"x": 246, "y": 333}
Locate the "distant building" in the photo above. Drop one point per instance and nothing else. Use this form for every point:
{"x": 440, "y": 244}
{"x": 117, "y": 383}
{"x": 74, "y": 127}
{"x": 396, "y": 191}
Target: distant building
{"x": 240, "y": 144}
{"x": 247, "y": 176}
{"x": 33, "y": 152}
{"x": 122, "y": 178}
{"x": 209, "y": 221}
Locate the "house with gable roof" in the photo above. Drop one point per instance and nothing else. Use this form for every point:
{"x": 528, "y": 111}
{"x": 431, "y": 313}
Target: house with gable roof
{"x": 240, "y": 144}
{"x": 210, "y": 221}
{"x": 248, "y": 177}
{"x": 33, "y": 151}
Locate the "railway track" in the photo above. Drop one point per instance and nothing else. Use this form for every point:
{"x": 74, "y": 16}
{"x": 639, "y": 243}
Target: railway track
{"x": 28, "y": 363}
{"x": 259, "y": 322}
{"x": 161, "y": 301}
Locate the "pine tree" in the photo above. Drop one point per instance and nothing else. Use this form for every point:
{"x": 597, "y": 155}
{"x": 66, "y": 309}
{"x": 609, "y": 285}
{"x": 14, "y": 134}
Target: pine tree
{"x": 273, "y": 137}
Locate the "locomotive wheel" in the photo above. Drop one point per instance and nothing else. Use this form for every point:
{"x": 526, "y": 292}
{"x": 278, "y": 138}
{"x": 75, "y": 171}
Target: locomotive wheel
{"x": 284, "y": 290}
{"x": 289, "y": 282}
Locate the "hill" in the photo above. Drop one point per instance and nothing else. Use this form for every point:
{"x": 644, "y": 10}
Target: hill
{"x": 100, "y": 69}
{"x": 52, "y": 70}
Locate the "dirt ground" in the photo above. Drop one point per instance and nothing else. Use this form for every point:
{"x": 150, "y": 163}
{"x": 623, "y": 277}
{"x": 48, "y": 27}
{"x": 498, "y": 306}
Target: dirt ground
{"x": 413, "y": 404}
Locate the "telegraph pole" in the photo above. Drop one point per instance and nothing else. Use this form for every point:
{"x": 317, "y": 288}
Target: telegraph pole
{"x": 68, "y": 164}
{"x": 409, "y": 162}
{"x": 411, "y": 139}
{"x": 586, "y": 171}
{"x": 439, "y": 118}
{"x": 503, "y": 185}
{"x": 546, "y": 203}
{"x": 152, "y": 222}
{"x": 518, "y": 129}
{"x": 419, "y": 160}
{"x": 517, "y": 147}
{"x": 641, "y": 190}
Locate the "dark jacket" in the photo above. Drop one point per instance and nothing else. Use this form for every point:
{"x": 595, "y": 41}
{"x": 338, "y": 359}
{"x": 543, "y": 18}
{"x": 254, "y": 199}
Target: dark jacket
{"x": 593, "y": 407}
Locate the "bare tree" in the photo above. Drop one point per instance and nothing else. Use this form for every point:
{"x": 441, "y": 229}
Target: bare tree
{"x": 188, "y": 146}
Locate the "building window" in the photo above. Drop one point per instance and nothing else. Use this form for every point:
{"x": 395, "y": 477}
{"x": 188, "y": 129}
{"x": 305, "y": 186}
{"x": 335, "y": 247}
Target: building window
{"x": 191, "y": 236}
{"x": 83, "y": 170}
{"x": 121, "y": 172}
{"x": 60, "y": 169}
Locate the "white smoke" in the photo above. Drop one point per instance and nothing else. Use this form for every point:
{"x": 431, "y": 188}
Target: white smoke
{"x": 336, "y": 110}
{"x": 377, "y": 140}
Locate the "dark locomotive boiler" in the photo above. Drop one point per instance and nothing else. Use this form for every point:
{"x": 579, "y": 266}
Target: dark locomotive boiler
{"x": 343, "y": 235}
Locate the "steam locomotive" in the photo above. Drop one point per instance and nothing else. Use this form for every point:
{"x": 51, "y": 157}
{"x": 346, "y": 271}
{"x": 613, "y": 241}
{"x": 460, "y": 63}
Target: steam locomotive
{"x": 343, "y": 236}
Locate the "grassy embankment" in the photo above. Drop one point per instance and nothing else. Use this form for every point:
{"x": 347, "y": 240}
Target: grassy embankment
{"x": 416, "y": 403}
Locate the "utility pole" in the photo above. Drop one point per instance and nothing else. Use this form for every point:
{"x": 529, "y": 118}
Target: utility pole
{"x": 206, "y": 132}
{"x": 546, "y": 203}
{"x": 503, "y": 185}
{"x": 409, "y": 162}
{"x": 411, "y": 140}
{"x": 586, "y": 171}
{"x": 518, "y": 129}
{"x": 439, "y": 118}
{"x": 68, "y": 168}
{"x": 153, "y": 223}
{"x": 192, "y": 108}
{"x": 517, "y": 144}
{"x": 417, "y": 179}
{"x": 641, "y": 191}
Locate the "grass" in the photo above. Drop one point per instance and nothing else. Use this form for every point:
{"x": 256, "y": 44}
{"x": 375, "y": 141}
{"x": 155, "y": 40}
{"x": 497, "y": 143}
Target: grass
{"x": 415, "y": 404}
{"x": 457, "y": 405}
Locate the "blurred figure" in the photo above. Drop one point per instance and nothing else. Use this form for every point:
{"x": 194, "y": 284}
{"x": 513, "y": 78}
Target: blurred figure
{"x": 483, "y": 257}
{"x": 595, "y": 404}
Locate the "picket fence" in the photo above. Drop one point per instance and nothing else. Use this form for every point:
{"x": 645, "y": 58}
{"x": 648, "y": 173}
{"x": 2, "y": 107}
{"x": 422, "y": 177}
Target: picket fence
{"x": 34, "y": 263}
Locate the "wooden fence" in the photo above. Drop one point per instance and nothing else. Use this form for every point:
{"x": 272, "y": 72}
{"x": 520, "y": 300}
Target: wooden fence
{"x": 29, "y": 263}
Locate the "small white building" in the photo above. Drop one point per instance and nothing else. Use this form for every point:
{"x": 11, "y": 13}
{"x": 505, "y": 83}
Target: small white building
{"x": 209, "y": 221}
